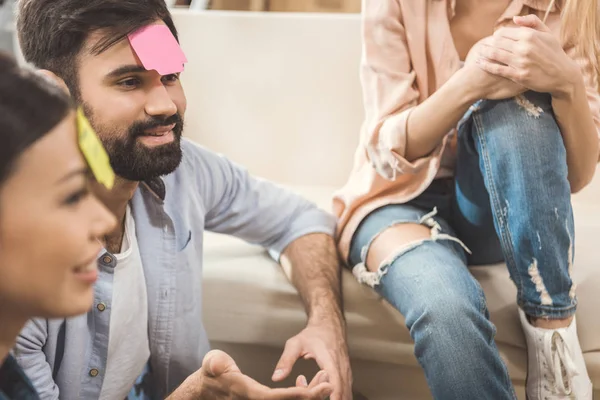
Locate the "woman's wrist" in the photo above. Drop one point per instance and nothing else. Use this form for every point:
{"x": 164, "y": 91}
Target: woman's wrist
{"x": 571, "y": 83}
{"x": 465, "y": 85}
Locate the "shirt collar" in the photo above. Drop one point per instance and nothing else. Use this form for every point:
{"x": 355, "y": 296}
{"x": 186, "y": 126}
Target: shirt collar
{"x": 514, "y": 8}
{"x": 540, "y": 5}
{"x": 157, "y": 187}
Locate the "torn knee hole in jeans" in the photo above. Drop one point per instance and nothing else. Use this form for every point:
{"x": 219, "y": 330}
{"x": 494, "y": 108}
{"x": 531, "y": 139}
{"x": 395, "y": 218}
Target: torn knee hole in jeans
{"x": 372, "y": 279}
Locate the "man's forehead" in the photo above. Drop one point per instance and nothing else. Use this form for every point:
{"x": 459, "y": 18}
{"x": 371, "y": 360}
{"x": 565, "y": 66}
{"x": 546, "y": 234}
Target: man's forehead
{"x": 98, "y": 36}
{"x": 158, "y": 49}
{"x": 121, "y": 49}
{"x": 117, "y": 55}
{"x": 153, "y": 47}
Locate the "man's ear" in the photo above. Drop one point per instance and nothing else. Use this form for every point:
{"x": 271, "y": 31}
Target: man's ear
{"x": 54, "y": 79}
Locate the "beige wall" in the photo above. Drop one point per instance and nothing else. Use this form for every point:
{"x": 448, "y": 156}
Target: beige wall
{"x": 295, "y": 94}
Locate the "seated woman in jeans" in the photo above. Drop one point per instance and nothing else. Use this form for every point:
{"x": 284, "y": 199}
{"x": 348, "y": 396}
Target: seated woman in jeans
{"x": 482, "y": 118}
{"x": 49, "y": 221}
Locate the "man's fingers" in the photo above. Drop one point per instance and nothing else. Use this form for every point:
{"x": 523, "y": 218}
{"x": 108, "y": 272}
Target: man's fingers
{"x": 291, "y": 353}
{"x": 330, "y": 367}
{"x": 327, "y": 364}
{"x": 217, "y": 363}
{"x": 244, "y": 387}
{"x": 320, "y": 392}
{"x": 301, "y": 381}
{"x": 320, "y": 377}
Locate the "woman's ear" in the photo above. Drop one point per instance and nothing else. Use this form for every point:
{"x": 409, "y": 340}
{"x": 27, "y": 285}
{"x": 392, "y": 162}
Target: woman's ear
{"x": 55, "y": 79}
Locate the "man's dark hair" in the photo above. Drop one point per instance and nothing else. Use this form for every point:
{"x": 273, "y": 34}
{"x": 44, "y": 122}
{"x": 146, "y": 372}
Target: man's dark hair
{"x": 30, "y": 107}
{"x": 52, "y": 32}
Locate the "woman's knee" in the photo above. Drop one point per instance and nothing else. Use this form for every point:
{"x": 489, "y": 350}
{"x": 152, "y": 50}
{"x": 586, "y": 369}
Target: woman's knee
{"x": 526, "y": 121}
{"x": 407, "y": 240}
{"x": 393, "y": 242}
{"x": 431, "y": 284}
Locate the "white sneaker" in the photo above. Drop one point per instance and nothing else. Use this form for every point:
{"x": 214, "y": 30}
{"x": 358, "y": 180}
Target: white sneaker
{"x": 556, "y": 369}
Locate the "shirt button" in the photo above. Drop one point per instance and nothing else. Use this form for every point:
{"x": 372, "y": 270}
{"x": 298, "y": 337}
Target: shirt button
{"x": 107, "y": 259}
{"x": 94, "y": 372}
{"x": 101, "y": 307}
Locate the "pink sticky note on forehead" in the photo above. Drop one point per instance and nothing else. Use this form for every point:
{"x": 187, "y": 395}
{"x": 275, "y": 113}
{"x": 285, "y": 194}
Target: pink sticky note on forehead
{"x": 157, "y": 49}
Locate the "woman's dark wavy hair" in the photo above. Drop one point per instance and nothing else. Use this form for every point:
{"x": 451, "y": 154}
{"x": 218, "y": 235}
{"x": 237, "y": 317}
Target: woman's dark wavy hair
{"x": 30, "y": 107}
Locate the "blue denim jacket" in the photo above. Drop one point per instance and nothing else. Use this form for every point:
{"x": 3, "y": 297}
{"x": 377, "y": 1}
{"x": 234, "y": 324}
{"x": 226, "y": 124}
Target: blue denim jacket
{"x": 14, "y": 384}
{"x": 67, "y": 357}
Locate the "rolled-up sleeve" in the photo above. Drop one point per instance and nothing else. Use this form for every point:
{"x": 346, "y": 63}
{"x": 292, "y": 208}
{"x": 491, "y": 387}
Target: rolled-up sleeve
{"x": 29, "y": 353}
{"x": 389, "y": 88}
{"x": 591, "y": 80}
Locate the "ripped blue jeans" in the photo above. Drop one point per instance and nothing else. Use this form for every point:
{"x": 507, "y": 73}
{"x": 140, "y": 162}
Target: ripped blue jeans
{"x": 509, "y": 201}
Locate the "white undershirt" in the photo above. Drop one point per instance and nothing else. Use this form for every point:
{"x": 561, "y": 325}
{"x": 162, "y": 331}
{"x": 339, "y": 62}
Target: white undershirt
{"x": 128, "y": 347}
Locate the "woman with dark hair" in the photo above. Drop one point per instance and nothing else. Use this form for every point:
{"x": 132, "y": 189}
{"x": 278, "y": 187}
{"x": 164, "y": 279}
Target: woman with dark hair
{"x": 49, "y": 221}
{"x": 49, "y": 228}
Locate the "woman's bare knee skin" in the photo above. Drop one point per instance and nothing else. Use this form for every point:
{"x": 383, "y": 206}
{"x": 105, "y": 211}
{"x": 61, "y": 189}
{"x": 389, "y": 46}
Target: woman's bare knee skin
{"x": 392, "y": 241}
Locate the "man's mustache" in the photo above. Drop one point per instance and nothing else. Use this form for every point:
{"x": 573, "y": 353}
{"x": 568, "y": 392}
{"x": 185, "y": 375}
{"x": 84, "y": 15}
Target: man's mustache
{"x": 139, "y": 128}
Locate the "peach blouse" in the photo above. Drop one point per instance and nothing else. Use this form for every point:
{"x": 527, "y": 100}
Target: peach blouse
{"x": 408, "y": 53}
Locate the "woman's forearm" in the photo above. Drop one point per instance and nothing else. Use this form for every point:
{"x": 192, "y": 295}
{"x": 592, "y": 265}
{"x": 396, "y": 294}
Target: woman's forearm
{"x": 580, "y": 135}
{"x": 431, "y": 120}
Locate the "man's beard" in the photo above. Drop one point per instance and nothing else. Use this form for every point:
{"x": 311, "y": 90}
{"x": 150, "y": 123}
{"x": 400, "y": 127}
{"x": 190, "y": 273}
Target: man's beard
{"x": 134, "y": 161}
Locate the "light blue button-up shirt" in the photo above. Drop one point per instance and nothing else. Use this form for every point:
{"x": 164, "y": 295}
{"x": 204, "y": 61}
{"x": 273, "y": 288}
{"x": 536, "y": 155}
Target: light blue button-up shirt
{"x": 66, "y": 358}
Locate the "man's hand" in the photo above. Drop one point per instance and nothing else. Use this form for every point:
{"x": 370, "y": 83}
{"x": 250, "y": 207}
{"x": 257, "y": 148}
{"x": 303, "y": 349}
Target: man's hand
{"x": 312, "y": 264}
{"x": 325, "y": 343}
{"x": 220, "y": 378}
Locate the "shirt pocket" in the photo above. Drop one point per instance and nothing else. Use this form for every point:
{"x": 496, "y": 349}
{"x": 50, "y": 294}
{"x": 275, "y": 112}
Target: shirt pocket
{"x": 184, "y": 239}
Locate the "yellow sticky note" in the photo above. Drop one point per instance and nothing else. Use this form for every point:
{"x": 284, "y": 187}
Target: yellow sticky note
{"x": 94, "y": 152}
